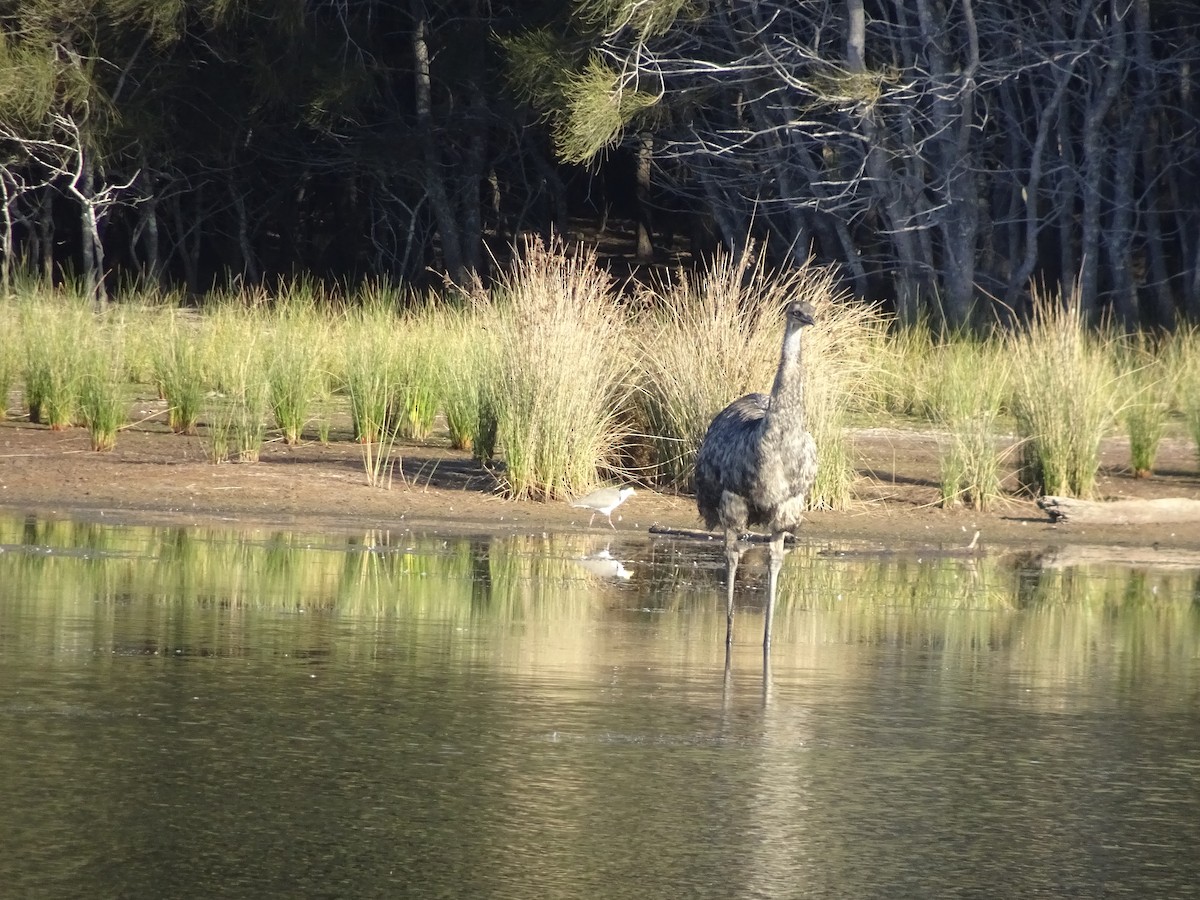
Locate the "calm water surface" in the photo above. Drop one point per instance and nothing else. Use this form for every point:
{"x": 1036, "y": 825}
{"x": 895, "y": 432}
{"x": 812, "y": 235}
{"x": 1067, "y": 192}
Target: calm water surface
{"x": 191, "y": 712}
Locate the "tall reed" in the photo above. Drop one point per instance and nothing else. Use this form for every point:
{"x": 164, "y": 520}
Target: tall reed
{"x": 470, "y": 359}
{"x": 102, "y": 394}
{"x": 1144, "y": 402}
{"x": 967, "y": 384}
{"x": 179, "y": 369}
{"x": 10, "y": 346}
{"x": 296, "y": 364}
{"x": 1182, "y": 362}
{"x": 1063, "y": 383}
{"x": 367, "y": 341}
{"x": 233, "y": 353}
{"x": 418, "y": 359}
{"x": 562, "y": 371}
{"x": 54, "y": 326}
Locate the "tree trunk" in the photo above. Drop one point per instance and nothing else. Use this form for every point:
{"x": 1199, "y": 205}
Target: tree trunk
{"x": 433, "y": 179}
{"x": 1094, "y": 153}
{"x": 92, "y": 255}
{"x": 645, "y": 226}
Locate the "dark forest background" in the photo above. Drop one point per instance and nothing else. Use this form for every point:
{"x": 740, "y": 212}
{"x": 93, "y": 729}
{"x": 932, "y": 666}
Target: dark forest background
{"x": 947, "y": 155}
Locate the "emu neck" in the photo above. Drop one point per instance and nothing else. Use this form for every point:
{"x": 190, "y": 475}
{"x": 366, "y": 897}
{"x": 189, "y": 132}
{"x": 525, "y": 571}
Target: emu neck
{"x": 786, "y": 411}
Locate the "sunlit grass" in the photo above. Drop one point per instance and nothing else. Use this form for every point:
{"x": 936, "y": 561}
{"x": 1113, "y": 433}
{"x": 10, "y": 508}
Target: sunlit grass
{"x": 1144, "y": 401}
{"x": 237, "y": 367}
{"x": 562, "y": 372}
{"x": 418, "y": 359}
{"x": 179, "y": 369}
{"x": 11, "y": 343}
{"x": 1182, "y": 363}
{"x": 1063, "y": 388}
{"x": 966, "y": 386}
{"x": 570, "y": 385}
{"x": 469, "y": 351}
{"x": 366, "y": 341}
{"x": 296, "y": 356}
{"x": 710, "y": 337}
{"x": 102, "y": 385}
{"x": 55, "y": 325}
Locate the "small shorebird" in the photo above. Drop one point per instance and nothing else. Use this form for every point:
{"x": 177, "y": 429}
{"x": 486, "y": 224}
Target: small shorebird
{"x": 603, "y": 500}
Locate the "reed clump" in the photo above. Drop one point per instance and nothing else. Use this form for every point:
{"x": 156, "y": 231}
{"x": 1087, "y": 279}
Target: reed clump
{"x": 102, "y": 385}
{"x": 55, "y": 325}
{"x": 234, "y": 358}
{"x": 10, "y": 347}
{"x": 417, "y": 370}
{"x": 712, "y": 336}
{"x": 1144, "y": 405}
{"x": 366, "y": 367}
{"x": 297, "y": 361}
{"x": 1063, "y": 384}
{"x": 966, "y": 386}
{"x": 1181, "y": 362}
{"x": 562, "y": 371}
{"x": 179, "y": 369}
{"x": 465, "y": 387}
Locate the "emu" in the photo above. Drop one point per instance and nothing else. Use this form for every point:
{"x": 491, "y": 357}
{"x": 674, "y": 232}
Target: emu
{"x": 757, "y": 464}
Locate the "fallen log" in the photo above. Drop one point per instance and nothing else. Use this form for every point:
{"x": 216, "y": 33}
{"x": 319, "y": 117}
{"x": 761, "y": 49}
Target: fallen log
{"x": 1169, "y": 510}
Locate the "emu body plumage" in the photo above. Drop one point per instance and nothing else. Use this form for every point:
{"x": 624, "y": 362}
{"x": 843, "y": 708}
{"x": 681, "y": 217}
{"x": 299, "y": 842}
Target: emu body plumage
{"x": 757, "y": 464}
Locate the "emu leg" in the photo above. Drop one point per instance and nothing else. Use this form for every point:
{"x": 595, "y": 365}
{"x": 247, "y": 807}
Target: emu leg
{"x": 732, "y": 555}
{"x": 777, "y": 552}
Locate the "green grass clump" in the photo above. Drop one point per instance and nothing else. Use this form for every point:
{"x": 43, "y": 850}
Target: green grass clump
{"x": 296, "y": 369}
{"x": 227, "y": 348}
{"x": 368, "y": 371}
{"x": 562, "y": 372}
{"x": 715, "y": 335}
{"x": 417, "y": 363}
{"x": 54, "y": 328}
{"x": 467, "y": 399}
{"x": 179, "y": 370}
{"x": 1063, "y": 384}
{"x": 1182, "y": 362}
{"x": 1144, "y": 404}
{"x": 967, "y": 387}
{"x": 237, "y": 414}
{"x": 10, "y": 346}
{"x": 367, "y": 344}
{"x": 102, "y": 381}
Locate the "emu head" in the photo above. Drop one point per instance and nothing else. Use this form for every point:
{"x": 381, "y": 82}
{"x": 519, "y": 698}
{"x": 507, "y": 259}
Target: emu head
{"x": 800, "y": 313}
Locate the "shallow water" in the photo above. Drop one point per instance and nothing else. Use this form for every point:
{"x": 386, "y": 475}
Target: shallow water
{"x": 201, "y": 712}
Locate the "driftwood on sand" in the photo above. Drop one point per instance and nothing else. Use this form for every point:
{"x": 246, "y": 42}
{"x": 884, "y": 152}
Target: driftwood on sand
{"x": 1121, "y": 512}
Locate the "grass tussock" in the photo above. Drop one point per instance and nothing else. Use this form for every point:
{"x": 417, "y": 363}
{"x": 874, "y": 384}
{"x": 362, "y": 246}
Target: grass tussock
{"x": 562, "y": 371}
{"x": 55, "y": 326}
{"x": 715, "y": 335}
{"x": 179, "y": 370}
{"x": 1181, "y": 360}
{"x": 10, "y": 348}
{"x": 1144, "y": 402}
{"x": 297, "y": 361}
{"x": 238, "y": 402}
{"x": 417, "y": 361}
{"x": 471, "y": 357}
{"x": 966, "y": 386}
{"x": 102, "y": 385}
{"x": 367, "y": 343}
{"x": 1063, "y": 385}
